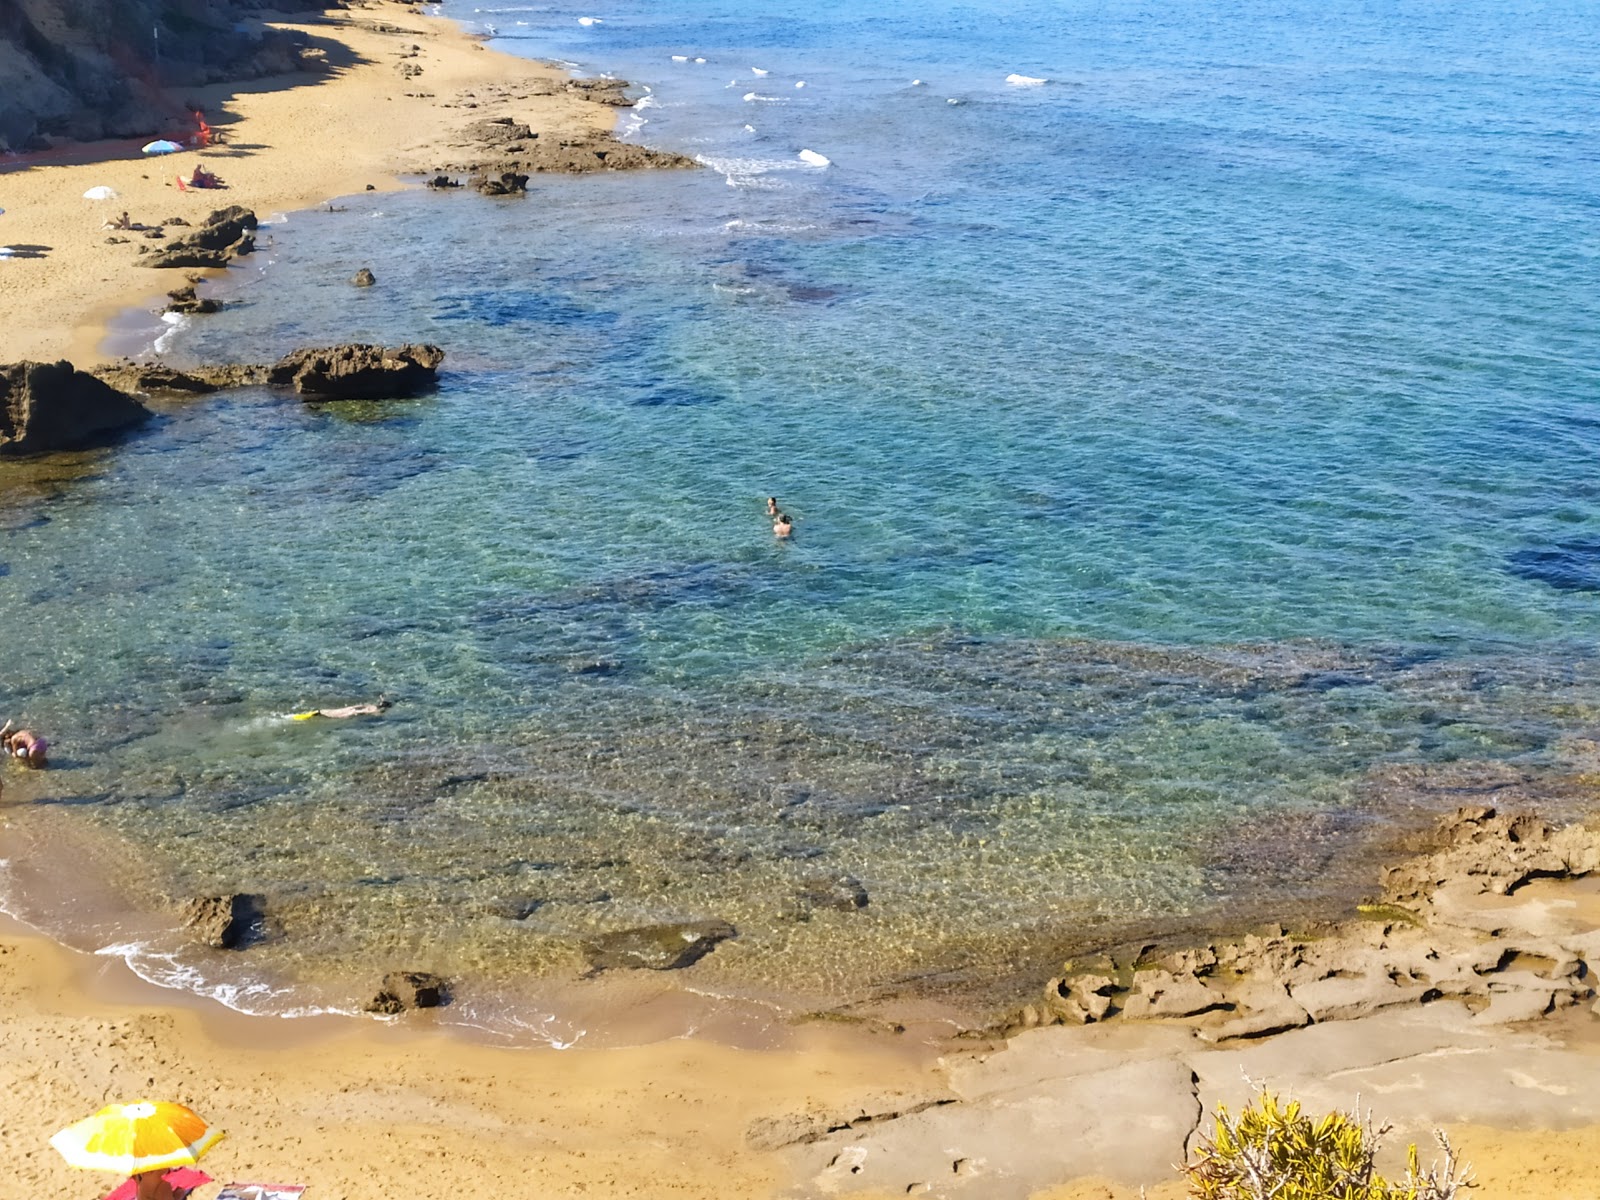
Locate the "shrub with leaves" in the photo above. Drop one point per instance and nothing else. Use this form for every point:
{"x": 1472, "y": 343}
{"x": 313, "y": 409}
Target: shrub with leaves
{"x": 1272, "y": 1151}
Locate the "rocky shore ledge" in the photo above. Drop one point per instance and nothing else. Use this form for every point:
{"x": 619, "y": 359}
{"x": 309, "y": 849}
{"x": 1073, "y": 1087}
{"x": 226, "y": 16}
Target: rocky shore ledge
{"x": 1451, "y": 999}
{"x": 54, "y": 406}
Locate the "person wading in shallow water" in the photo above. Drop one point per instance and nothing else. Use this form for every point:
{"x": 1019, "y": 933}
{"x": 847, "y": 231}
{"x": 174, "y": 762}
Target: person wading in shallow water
{"x": 23, "y": 744}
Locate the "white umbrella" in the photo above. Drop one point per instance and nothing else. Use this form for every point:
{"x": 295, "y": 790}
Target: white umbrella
{"x": 162, "y": 147}
{"x": 100, "y": 193}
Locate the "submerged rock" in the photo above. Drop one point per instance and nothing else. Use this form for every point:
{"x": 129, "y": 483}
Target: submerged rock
{"x": 358, "y": 371}
{"x": 507, "y": 183}
{"x": 403, "y": 990}
{"x": 54, "y": 406}
{"x": 184, "y": 300}
{"x": 364, "y": 278}
{"x": 224, "y": 922}
{"x": 155, "y": 379}
{"x": 658, "y": 947}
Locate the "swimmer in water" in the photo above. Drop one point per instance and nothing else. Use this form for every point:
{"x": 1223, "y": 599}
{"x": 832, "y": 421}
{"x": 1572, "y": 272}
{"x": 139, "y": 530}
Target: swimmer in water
{"x": 349, "y": 710}
{"x": 772, "y": 506}
{"x": 782, "y": 526}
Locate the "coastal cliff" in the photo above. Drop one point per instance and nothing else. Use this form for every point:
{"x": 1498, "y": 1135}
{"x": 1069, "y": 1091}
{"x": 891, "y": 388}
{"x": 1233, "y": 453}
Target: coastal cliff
{"x": 87, "y": 69}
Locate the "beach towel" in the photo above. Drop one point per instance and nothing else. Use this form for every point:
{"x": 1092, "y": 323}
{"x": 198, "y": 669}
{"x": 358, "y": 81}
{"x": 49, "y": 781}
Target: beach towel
{"x": 261, "y": 1191}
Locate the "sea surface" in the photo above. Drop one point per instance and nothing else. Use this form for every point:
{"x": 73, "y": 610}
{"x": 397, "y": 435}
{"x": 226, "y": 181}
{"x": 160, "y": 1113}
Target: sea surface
{"x": 1192, "y": 443}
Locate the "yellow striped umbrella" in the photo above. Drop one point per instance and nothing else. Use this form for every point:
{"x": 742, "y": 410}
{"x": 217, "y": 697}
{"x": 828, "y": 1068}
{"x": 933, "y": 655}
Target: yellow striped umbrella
{"x": 134, "y": 1138}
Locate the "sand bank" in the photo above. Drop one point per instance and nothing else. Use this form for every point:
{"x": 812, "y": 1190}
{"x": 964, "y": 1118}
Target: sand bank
{"x": 291, "y": 142}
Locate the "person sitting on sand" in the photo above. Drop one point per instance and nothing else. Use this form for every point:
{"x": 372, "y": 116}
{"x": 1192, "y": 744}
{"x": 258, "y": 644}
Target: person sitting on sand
{"x": 203, "y": 178}
{"x": 153, "y": 1185}
{"x": 349, "y": 710}
{"x": 23, "y": 744}
{"x": 122, "y": 222}
{"x": 783, "y": 526}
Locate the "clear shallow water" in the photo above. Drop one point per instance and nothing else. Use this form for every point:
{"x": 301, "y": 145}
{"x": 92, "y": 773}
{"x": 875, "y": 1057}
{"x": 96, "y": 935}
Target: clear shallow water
{"x": 1279, "y": 330}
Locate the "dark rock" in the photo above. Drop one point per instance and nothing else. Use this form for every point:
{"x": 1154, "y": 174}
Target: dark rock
{"x": 658, "y": 947}
{"x": 440, "y": 182}
{"x": 116, "y": 241}
{"x": 364, "y": 278}
{"x": 224, "y": 922}
{"x": 507, "y": 183}
{"x": 155, "y": 233}
{"x": 184, "y": 300}
{"x": 841, "y": 893}
{"x": 51, "y": 406}
{"x": 358, "y": 371}
{"x": 403, "y": 990}
{"x": 176, "y": 221}
{"x": 226, "y": 234}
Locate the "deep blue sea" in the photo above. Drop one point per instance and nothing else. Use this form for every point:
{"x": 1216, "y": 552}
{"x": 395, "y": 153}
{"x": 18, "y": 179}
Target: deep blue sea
{"x": 1190, "y": 414}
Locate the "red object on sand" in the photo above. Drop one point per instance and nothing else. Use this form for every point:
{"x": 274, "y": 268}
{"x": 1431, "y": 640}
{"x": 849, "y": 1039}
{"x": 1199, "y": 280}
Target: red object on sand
{"x": 178, "y": 1177}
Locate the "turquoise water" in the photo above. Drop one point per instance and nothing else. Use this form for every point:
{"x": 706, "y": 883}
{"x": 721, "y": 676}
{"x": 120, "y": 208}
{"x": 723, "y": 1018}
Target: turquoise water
{"x": 1192, "y": 458}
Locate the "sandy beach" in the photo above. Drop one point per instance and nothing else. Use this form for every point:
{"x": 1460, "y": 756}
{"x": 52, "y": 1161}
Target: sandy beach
{"x": 292, "y": 142}
{"x": 359, "y": 1109}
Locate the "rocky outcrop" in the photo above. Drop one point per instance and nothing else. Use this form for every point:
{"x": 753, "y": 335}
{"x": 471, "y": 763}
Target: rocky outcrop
{"x": 1443, "y": 928}
{"x": 657, "y": 947}
{"x": 364, "y": 278}
{"x": 358, "y": 371}
{"x": 54, "y": 406}
{"x": 507, "y": 183}
{"x": 610, "y": 92}
{"x": 157, "y": 380}
{"x": 503, "y": 146}
{"x": 107, "y": 68}
{"x": 223, "y": 922}
{"x": 226, "y": 234}
{"x": 406, "y": 990}
{"x": 184, "y": 300}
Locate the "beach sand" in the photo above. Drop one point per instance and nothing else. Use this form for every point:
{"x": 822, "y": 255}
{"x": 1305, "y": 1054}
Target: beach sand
{"x": 292, "y": 142}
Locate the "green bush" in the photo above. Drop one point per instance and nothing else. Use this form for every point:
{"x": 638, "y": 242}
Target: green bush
{"x": 1276, "y": 1152}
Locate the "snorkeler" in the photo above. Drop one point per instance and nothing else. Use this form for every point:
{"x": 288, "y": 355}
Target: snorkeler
{"x": 349, "y": 710}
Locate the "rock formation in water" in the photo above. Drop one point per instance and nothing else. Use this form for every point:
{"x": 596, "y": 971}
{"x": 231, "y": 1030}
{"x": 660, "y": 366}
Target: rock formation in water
{"x": 404, "y": 990}
{"x": 500, "y": 146}
{"x": 115, "y": 68}
{"x": 223, "y": 922}
{"x": 226, "y": 234}
{"x": 54, "y": 406}
{"x": 358, "y": 372}
{"x": 657, "y": 947}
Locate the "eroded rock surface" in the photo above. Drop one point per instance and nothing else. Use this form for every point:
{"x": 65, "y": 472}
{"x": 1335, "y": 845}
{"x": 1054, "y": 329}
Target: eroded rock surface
{"x": 55, "y": 406}
{"x": 405, "y": 990}
{"x": 657, "y": 947}
{"x": 223, "y": 922}
{"x": 226, "y": 234}
{"x": 358, "y": 371}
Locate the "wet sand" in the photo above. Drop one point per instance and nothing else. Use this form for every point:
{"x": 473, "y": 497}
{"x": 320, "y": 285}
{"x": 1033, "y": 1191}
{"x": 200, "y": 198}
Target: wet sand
{"x": 291, "y": 142}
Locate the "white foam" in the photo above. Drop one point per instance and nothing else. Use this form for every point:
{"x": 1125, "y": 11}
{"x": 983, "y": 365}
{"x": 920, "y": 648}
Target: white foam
{"x": 749, "y": 128}
{"x": 1025, "y": 80}
{"x": 757, "y": 71}
{"x": 952, "y": 100}
{"x": 815, "y": 159}
{"x": 756, "y": 97}
{"x": 800, "y": 83}
{"x": 591, "y": 21}
{"x": 252, "y": 996}
{"x": 916, "y": 83}
{"x": 699, "y": 60}
{"x": 176, "y": 323}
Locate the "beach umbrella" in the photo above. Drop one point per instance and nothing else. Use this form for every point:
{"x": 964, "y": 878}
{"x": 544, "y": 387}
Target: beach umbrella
{"x": 100, "y": 193}
{"x": 161, "y": 147}
{"x": 134, "y": 1138}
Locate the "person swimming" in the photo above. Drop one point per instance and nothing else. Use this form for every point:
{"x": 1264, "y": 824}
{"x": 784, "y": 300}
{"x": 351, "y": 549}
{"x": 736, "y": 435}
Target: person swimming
{"x": 782, "y": 525}
{"x": 349, "y": 710}
{"x": 772, "y": 506}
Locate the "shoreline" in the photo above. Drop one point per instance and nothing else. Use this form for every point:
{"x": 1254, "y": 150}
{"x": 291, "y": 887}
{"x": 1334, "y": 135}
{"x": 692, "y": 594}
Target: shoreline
{"x": 291, "y": 143}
